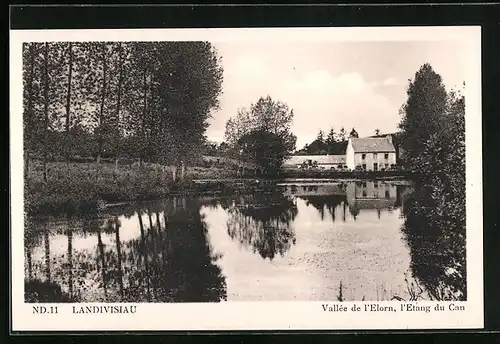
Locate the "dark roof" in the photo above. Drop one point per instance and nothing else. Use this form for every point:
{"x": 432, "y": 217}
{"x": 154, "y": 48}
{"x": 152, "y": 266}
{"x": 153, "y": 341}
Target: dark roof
{"x": 372, "y": 144}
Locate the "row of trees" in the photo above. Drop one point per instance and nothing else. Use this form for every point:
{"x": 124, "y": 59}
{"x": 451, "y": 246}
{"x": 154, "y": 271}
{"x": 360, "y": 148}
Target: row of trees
{"x": 261, "y": 135}
{"x": 334, "y": 143}
{"x": 147, "y": 100}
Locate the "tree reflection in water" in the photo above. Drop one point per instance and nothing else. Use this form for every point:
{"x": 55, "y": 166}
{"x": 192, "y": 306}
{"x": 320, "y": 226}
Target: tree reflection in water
{"x": 263, "y": 222}
{"x": 168, "y": 262}
{"x": 174, "y": 263}
{"x": 436, "y": 238}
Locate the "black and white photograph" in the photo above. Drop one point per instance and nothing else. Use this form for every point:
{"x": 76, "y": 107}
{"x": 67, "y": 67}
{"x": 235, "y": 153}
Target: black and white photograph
{"x": 188, "y": 171}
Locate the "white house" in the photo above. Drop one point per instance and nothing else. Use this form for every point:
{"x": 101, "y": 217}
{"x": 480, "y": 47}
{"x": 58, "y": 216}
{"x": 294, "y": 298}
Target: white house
{"x": 370, "y": 153}
{"x": 324, "y": 162}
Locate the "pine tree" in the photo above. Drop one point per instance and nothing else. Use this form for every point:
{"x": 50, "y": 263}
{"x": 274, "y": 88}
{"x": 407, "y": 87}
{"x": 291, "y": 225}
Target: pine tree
{"x": 330, "y": 139}
{"x": 353, "y": 133}
{"x": 342, "y": 134}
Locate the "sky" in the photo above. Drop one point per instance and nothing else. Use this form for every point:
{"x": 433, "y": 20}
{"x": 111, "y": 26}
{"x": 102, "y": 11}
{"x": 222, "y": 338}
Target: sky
{"x": 328, "y": 84}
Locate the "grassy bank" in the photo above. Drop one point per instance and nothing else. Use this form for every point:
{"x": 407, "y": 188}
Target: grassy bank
{"x": 88, "y": 187}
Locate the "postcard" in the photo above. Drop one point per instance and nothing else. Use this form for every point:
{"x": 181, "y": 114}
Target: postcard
{"x": 246, "y": 179}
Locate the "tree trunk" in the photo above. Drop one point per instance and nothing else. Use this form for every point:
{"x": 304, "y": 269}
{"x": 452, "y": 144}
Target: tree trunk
{"x": 120, "y": 81}
{"x": 146, "y": 262}
{"x": 143, "y": 120}
{"x": 30, "y": 263}
{"x": 141, "y": 224}
{"x": 119, "y": 257}
{"x": 46, "y": 109}
{"x": 46, "y": 239}
{"x": 151, "y": 228}
{"x": 100, "y": 245}
{"x": 68, "y": 104}
{"x": 29, "y": 131}
{"x": 103, "y": 98}
{"x": 70, "y": 262}
{"x": 183, "y": 170}
{"x": 153, "y": 128}
{"x": 158, "y": 224}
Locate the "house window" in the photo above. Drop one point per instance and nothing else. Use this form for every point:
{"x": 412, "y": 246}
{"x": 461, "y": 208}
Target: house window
{"x": 387, "y": 194}
{"x": 375, "y": 184}
{"x": 386, "y": 156}
{"x": 364, "y": 166}
{"x": 364, "y": 193}
{"x": 363, "y": 156}
{"x": 374, "y": 155}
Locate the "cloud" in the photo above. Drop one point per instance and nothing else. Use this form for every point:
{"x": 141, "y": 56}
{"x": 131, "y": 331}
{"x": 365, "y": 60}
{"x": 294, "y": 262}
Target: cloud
{"x": 322, "y": 81}
{"x": 391, "y": 81}
{"x": 320, "y": 99}
{"x": 246, "y": 66}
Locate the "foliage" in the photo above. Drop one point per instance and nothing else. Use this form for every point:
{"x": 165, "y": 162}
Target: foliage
{"x": 433, "y": 141}
{"x": 334, "y": 143}
{"x": 433, "y": 136}
{"x": 264, "y": 149}
{"x": 149, "y": 100}
{"x": 422, "y": 115}
{"x": 267, "y": 123}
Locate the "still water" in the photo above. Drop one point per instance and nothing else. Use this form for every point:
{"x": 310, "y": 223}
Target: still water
{"x": 303, "y": 241}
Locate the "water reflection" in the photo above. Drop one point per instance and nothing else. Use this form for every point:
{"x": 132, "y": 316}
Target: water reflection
{"x": 359, "y": 240}
{"x": 437, "y": 245}
{"x": 263, "y": 223}
{"x": 151, "y": 256}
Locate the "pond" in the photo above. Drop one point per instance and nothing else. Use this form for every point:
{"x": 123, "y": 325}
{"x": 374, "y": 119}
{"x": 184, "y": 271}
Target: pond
{"x": 301, "y": 241}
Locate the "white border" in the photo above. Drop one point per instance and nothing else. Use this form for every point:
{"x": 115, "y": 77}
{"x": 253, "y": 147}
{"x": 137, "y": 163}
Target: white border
{"x": 257, "y": 315}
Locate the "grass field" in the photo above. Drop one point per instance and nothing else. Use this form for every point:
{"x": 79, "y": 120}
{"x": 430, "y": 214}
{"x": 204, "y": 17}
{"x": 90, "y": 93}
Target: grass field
{"x": 86, "y": 187}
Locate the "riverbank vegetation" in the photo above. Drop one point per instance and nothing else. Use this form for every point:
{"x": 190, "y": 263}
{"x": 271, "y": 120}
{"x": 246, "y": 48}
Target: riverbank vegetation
{"x": 89, "y": 186}
{"x": 433, "y": 139}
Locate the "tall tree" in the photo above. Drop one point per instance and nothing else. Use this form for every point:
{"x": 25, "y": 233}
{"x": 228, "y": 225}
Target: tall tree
{"x": 321, "y": 137}
{"x": 342, "y": 134}
{"x": 266, "y": 115}
{"x": 68, "y": 102}
{"x": 103, "y": 98}
{"x": 422, "y": 113}
{"x": 45, "y": 109}
{"x": 29, "y": 53}
{"x": 330, "y": 139}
